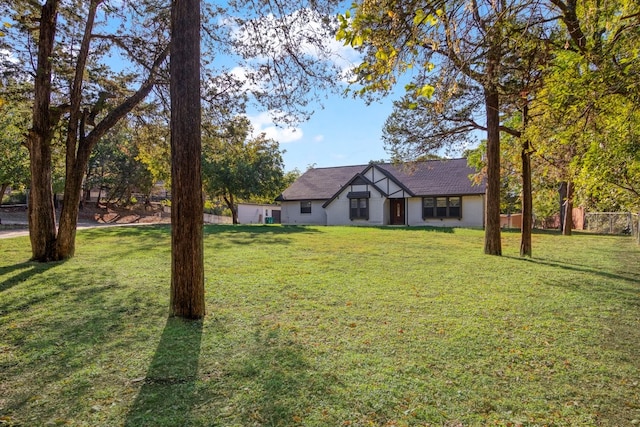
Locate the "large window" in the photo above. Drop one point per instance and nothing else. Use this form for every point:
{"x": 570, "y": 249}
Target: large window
{"x": 359, "y": 208}
{"x": 305, "y": 207}
{"x": 442, "y": 207}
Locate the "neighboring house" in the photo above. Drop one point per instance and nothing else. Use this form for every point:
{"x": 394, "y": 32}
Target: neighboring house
{"x": 254, "y": 213}
{"x": 434, "y": 192}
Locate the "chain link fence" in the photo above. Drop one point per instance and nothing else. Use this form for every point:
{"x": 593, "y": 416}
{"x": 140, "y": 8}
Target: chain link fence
{"x": 612, "y": 223}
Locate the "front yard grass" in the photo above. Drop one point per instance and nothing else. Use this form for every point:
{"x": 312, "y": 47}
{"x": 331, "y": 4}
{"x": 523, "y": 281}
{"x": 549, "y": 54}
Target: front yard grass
{"x": 324, "y": 326}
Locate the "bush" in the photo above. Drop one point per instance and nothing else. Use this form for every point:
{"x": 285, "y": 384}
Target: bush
{"x": 15, "y": 198}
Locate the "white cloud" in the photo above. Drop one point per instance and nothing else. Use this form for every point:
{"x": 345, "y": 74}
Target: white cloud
{"x": 318, "y": 138}
{"x": 304, "y": 32}
{"x": 263, "y": 123}
{"x": 8, "y": 56}
{"x": 244, "y": 75}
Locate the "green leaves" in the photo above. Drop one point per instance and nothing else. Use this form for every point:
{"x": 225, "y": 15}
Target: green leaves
{"x": 425, "y": 91}
{"x": 421, "y": 18}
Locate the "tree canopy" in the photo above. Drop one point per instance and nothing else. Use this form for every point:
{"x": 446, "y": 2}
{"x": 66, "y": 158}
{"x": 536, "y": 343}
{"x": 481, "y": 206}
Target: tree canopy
{"x": 547, "y": 73}
{"x": 88, "y": 65}
{"x": 240, "y": 167}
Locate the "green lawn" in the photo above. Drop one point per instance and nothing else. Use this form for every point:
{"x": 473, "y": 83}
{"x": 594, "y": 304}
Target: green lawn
{"x": 324, "y": 326}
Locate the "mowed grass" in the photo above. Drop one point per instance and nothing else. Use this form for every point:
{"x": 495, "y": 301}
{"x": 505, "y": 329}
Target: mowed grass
{"x": 324, "y": 326}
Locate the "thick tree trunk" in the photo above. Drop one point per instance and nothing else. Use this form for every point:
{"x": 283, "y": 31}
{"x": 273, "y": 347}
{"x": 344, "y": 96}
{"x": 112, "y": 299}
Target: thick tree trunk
{"x": 42, "y": 219}
{"x": 66, "y": 241}
{"x": 187, "y": 259}
{"x": 492, "y": 239}
{"x": 567, "y": 224}
{"x": 527, "y": 201}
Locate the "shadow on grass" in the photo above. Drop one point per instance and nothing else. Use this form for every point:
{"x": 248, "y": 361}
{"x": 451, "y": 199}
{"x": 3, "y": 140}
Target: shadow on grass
{"x": 148, "y": 231}
{"x": 27, "y": 270}
{"x": 255, "y": 234}
{"x": 630, "y": 277}
{"x": 167, "y": 393}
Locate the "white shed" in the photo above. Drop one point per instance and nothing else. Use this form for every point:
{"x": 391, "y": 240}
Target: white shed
{"x": 255, "y": 213}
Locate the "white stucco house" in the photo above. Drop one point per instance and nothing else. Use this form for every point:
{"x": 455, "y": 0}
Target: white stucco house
{"x": 433, "y": 193}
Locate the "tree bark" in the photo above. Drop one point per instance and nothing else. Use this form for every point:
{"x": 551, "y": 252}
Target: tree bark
{"x": 232, "y": 207}
{"x": 567, "y": 224}
{"x": 492, "y": 239}
{"x": 527, "y": 196}
{"x": 187, "y": 257}
{"x": 527, "y": 201}
{"x": 66, "y": 241}
{"x": 42, "y": 218}
{"x": 3, "y": 189}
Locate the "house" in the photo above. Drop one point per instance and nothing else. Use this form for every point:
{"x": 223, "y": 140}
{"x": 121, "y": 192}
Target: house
{"x": 434, "y": 192}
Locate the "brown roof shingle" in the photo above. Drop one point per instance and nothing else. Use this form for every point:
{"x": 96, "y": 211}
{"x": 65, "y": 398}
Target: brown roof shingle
{"x": 428, "y": 178}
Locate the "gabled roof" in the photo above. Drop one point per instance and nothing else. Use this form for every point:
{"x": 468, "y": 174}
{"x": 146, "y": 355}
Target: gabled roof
{"x": 320, "y": 183}
{"x": 428, "y": 178}
{"x": 357, "y": 179}
{"x": 436, "y": 177}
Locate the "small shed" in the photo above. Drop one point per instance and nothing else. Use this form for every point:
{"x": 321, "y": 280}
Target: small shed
{"x": 257, "y": 213}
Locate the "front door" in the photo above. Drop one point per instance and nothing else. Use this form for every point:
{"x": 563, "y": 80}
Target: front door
{"x": 397, "y": 211}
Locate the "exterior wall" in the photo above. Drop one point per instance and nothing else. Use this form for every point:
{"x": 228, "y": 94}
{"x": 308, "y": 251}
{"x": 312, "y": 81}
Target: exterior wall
{"x": 291, "y": 213}
{"x": 255, "y": 213}
{"x": 472, "y": 213}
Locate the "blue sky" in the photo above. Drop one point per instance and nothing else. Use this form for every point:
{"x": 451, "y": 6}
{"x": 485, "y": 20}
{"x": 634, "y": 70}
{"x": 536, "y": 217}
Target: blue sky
{"x": 346, "y": 131}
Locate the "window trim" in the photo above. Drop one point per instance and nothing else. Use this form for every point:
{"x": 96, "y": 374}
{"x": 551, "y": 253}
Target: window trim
{"x": 434, "y": 208}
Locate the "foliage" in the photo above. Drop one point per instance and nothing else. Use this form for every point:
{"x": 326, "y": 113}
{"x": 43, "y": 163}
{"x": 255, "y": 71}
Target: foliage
{"x": 102, "y": 58}
{"x": 237, "y": 167}
{"x": 582, "y": 128}
{"x": 610, "y": 169}
{"x": 14, "y": 163}
{"x": 150, "y": 134}
{"x": 472, "y": 59}
{"x": 114, "y": 167}
{"x": 293, "y": 340}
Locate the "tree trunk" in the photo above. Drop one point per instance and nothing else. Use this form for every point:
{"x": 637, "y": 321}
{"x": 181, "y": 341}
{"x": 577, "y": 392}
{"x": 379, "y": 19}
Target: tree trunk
{"x": 232, "y": 207}
{"x": 492, "y": 240}
{"x": 567, "y": 224}
{"x": 46, "y": 246}
{"x": 527, "y": 201}
{"x": 66, "y": 241}
{"x": 3, "y": 189}
{"x": 42, "y": 218}
{"x": 187, "y": 259}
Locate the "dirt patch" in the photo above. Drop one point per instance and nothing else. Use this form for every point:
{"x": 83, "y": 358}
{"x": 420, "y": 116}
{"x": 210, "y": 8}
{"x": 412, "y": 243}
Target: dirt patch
{"x": 117, "y": 215}
{"x": 16, "y": 216}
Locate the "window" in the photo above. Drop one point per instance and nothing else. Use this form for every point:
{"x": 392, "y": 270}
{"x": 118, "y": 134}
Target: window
{"x": 359, "y": 208}
{"x": 428, "y": 207}
{"x": 305, "y": 207}
{"x": 442, "y": 207}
